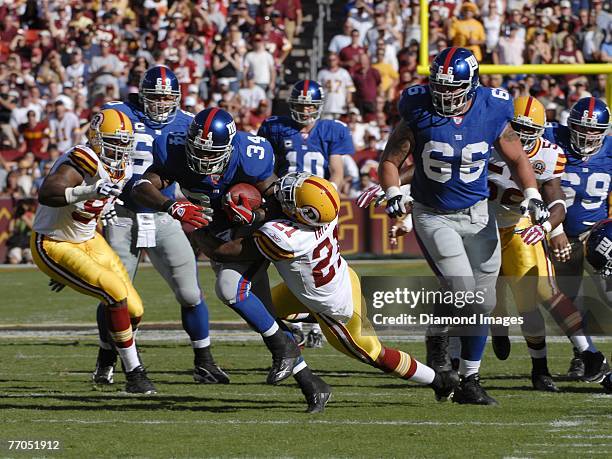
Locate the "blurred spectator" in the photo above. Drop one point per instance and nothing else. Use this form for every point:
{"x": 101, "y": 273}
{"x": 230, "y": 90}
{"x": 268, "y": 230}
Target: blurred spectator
{"x": 492, "y": 24}
{"x": 20, "y": 229}
{"x": 367, "y": 86}
{"x": 388, "y": 75}
{"x": 291, "y": 12}
{"x": 510, "y": 48}
{"x": 105, "y": 70}
{"x": 35, "y": 135}
{"x": 276, "y": 42}
{"x": 8, "y": 102}
{"x": 360, "y": 18}
{"x": 538, "y": 50}
{"x": 338, "y": 86}
{"x": 349, "y": 55}
{"x": 12, "y": 189}
{"x": 341, "y": 40}
{"x": 64, "y": 127}
{"x": 381, "y": 30}
{"x": 261, "y": 63}
{"x": 468, "y": 32}
{"x": 251, "y": 94}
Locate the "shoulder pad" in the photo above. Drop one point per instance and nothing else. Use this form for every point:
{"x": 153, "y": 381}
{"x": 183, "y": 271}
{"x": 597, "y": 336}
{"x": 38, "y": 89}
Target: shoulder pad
{"x": 84, "y": 159}
{"x": 273, "y": 240}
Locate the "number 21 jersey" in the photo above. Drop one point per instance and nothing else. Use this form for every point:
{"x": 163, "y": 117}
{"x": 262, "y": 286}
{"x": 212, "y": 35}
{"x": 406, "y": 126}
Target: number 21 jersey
{"x": 451, "y": 153}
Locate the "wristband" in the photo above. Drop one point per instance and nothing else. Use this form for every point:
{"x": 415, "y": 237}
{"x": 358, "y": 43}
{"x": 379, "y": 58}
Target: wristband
{"x": 547, "y": 226}
{"x": 167, "y": 204}
{"x": 558, "y": 201}
{"x": 392, "y": 192}
{"x": 532, "y": 193}
{"x": 557, "y": 230}
{"x": 141, "y": 181}
{"x": 80, "y": 193}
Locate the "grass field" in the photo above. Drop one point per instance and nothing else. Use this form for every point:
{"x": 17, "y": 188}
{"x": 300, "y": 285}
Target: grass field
{"x": 45, "y": 394}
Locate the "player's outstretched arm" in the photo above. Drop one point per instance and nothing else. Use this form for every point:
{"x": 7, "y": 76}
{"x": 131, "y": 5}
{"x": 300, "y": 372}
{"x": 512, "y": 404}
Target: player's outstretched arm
{"x": 554, "y": 198}
{"x": 146, "y": 191}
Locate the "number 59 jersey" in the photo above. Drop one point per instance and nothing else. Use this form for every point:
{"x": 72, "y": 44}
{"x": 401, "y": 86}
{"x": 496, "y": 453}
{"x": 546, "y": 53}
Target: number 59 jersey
{"x": 294, "y": 153}
{"x": 309, "y": 261}
{"x": 77, "y": 222}
{"x": 451, "y": 153}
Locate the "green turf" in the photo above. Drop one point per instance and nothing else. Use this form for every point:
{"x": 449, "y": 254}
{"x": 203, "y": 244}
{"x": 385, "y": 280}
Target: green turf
{"x": 45, "y": 394}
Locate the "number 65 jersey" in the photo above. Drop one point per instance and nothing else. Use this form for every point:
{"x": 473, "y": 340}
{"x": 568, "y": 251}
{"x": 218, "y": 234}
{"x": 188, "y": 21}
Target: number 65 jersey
{"x": 585, "y": 182}
{"x": 451, "y": 153}
{"x": 308, "y": 259}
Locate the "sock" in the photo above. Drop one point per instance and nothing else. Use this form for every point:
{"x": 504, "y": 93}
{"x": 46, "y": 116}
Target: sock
{"x": 536, "y": 346}
{"x": 580, "y": 342}
{"x": 120, "y": 330}
{"x": 253, "y": 311}
{"x": 472, "y": 350}
{"x": 129, "y": 357}
{"x": 104, "y": 338}
{"x": 569, "y": 319}
{"x": 468, "y": 367}
{"x": 404, "y": 366}
{"x": 195, "y": 323}
{"x": 454, "y": 347}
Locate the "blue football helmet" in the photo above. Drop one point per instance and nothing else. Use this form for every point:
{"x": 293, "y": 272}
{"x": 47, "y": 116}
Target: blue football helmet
{"x": 306, "y": 93}
{"x": 209, "y": 141}
{"x": 599, "y": 247}
{"x": 588, "y": 122}
{"x": 160, "y": 94}
{"x": 453, "y": 79}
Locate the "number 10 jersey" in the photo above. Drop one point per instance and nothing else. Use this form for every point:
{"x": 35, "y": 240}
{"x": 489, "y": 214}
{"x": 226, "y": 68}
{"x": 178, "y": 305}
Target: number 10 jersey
{"x": 451, "y": 153}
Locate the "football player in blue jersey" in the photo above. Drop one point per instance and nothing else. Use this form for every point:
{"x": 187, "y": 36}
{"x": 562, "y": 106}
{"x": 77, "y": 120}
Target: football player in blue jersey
{"x": 450, "y": 127}
{"x": 587, "y": 184}
{"x": 154, "y": 112}
{"x": 306, "y": 143}
{"x": 205, "y": 162}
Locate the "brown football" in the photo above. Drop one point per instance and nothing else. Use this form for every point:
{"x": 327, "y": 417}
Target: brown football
{"x": 251, "y": 193}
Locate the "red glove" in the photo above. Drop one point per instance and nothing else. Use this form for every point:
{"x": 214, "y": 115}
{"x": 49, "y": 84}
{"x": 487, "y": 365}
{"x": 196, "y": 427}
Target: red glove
{"x": 186, "y": 212}
{"x": 533, "y": 234}
{"x": 241, "y": 212}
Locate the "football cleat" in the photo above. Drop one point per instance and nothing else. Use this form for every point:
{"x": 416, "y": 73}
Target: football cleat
{"x": 285, "y": 356}
{"x": 455, "y": 364}
{"x": 470, "y": 392}
{"x": 576, "y": 369}
{"x": 137, "y": 382}
{"x": 444, "y": 385}
{"x": 298, "y": 336}
{"x": 317, "y": 395}
{"x": 210, "y": 373}
{"x": 314, "y": 339}
{"x": 501, "y": 346}
{"x": 282, "y": 368}
{"x": 543, "y": 382}
{"x": 438, "y": 357}
{"x": 105, "y": 367}
{"x": 595, "y": 366}
{"x": 607, "y": 383}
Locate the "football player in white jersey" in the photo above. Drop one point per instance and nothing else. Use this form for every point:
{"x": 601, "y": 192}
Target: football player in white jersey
{"x": 83, "y": 183}
{"x": 526, "y": 264}
{"x": 304, "y": 248}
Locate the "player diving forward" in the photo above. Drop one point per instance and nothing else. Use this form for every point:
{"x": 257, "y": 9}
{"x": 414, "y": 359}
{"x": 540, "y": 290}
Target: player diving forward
{"x": 526, "y": 267}
{"x": 587, "y": 185}
{"x": 206, "y": 162}
{"x": 306, "y": 143}
{"x": 154, "y": 111}
{"x": 65, "y": 245}
{"x": 305, "y": 250}
{"x": 450, "y": 127}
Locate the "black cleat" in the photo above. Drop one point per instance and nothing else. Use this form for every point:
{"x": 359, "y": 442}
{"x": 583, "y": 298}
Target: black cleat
{"x": 576, "y": 369}
{"x": 137, "y": 382}
{"x": 444, "y": 384}
{"x": 210, "y": 373}
{"x": 317, "y": 393}
{"x": 455, "y": 365}
{"x": 543, "y": 382}
{"x": 471, "y": 392}
{"x": 501, "y": 346}
{"x": 105, "y": 367}
{"x": 298, "y": 336}
{"x": 285, "y": 356}
{"x": 314, "y": 339}
{"x": 595, "y": 366}
{"x": 607, "y": 383}
{"x": 437, "y": 353}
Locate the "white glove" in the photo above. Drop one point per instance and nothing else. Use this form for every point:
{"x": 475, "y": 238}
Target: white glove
{"x": 398, "y": 203}
{"x": 109, "y": 215}
{"x": 373, "y": 193}
{"x": 107, "y": 189}
{"x": 534, "y": 206}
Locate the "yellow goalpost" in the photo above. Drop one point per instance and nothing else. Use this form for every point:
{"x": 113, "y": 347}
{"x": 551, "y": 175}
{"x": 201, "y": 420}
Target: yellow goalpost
{"x": 540, "y": 69}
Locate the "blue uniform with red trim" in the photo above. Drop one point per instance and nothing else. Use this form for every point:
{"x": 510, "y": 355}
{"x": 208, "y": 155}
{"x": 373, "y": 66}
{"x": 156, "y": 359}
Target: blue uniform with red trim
{"x": 586, "y": 182}
{"x": 295, "y": 152}
{"x": 145, "y": 132}
{"x": 251, "y": 161}
{"x": 451, "y": 153}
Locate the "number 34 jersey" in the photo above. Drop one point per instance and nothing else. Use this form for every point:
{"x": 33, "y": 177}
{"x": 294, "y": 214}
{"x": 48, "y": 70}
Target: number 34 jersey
{"x": 547, "y": 161}
{"x": 294, "y": 153}
{"x": 309, "y": 261}
{"x": 451, "y": 153}
{"x": 585, "y": 182}
{"x": 77, "y": 222}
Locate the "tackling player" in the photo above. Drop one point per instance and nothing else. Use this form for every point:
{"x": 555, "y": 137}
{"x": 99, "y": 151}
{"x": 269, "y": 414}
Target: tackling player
{"x": 205, "y": 163}
{"x": 526, "y": 267}
{"x": 307, "y": 143}
{"x": 587, "y": 185}
{"x": 305, "y": 250}
{"x": 154, "y": 111}
{"x": 65, "y": 245}
{"x": 450, "y": 127}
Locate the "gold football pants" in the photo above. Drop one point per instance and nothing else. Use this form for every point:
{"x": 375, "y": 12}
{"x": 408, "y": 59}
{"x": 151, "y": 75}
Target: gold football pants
{"x": 89, "y": 267}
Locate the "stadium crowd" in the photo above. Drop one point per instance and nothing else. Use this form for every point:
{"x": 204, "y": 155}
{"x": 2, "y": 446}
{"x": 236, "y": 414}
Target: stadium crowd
{"x": 61, "y": 60}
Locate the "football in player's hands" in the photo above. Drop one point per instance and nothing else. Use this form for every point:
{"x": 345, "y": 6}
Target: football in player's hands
{"x": 240, "y": 203}
{"x": 249, "y": 192}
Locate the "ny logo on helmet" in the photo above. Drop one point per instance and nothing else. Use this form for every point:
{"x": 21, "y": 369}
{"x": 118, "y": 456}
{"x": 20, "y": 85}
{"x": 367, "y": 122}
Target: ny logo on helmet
{"x": 231, "y": 128}
{"x": 604, "y": 247}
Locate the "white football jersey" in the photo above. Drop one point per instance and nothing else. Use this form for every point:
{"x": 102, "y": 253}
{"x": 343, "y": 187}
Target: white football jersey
{"x": 548, "y": 162}
{"x": 309, "y": 261}
{"x": 77, "y": 222}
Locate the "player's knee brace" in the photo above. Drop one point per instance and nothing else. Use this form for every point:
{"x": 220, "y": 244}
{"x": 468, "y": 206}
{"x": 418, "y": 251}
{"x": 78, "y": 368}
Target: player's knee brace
{"x": 188, "y": 296}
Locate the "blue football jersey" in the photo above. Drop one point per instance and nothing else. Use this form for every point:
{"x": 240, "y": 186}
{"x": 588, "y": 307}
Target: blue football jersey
{"x": 585, "y": 182}
{"x": 294, "y": 153}
{"x": 251, "y": 161}
{"x": 451, "y": 154}
{"x": 145, "y": 132}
